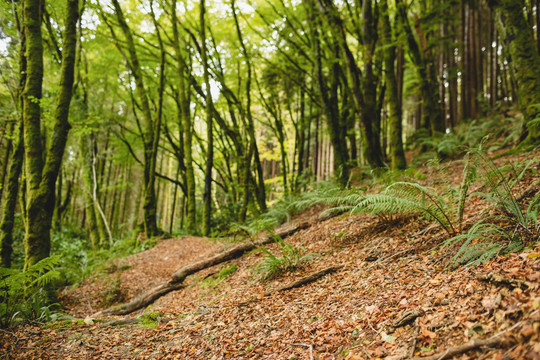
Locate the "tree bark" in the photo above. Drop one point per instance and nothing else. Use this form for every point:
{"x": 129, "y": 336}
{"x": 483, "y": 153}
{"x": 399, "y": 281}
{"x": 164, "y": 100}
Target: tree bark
{"x": 397, "y": 155}
{"x": 186, "y": 128}
{"x": 42, "y": 177}
{"x": 10, "y": 201}
{"x": 513, "y": 28}
{"x": 207, "y": 194}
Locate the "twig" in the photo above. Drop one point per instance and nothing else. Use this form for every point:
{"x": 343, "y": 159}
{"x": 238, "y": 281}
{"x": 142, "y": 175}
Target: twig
{"x": 426, "y": 230}
{"x": 298, "y": 283}
{"x": 415, "y": 336}
{"x": 495, "y": 340}
{"x": 309, "y": 346}
{"x": 387, "y": 258}
{"x": 407, "y": 318}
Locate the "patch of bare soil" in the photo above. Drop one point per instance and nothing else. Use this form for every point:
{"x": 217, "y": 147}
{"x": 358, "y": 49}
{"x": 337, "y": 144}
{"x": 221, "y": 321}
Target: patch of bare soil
{"x": 129, "y": 277}
{"x": 394, "y": 298}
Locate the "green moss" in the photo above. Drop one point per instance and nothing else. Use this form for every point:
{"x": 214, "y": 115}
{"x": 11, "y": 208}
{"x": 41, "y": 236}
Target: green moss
{"x": 214, "y": 280}
{"x": 150, "y": 320}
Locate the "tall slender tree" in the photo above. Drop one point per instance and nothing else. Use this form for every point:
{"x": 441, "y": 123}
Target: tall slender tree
{"x": 207, "y": 194}
{"x": 41, "y": 174}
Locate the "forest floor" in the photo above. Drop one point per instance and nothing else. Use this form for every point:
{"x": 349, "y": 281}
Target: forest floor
{"x": 389, "y": 270}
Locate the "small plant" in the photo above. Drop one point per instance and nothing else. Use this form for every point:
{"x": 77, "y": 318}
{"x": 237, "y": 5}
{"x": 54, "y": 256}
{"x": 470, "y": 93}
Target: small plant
{"x": 24, "y": 295}
{"x": 485, "y": 239}
{"x": 273, "y": 265}
{"x": 408, "y": 198}
{"x": 526, "y": 225}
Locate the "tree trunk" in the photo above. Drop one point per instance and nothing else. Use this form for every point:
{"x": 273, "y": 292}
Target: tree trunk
{"x": 397, "y": 155}
{"x": 10, "y": 201}
{"x": 425, "y": 68}
{"x": 149, "y": 202}
{"x": 185, "y": 122}
{"x": 513, "y": 28}
{"x": 207, "y": 194}
{"x": 42, "y": 178}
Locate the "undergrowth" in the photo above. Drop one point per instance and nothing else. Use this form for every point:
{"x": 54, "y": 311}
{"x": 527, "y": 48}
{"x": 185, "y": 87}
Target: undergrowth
{"x": 504, "y": 131}
{"x": 28, "y": 296}
{"x": 25, "y": 295}
{"x": 272, "y": 266}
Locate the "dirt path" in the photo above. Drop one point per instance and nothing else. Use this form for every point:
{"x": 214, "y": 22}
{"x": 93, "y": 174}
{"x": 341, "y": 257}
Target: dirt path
{"x": 126, "y": 278}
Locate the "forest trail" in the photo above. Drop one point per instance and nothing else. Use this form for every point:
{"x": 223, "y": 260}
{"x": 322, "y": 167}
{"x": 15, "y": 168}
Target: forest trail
{"x": 391, "y": 272}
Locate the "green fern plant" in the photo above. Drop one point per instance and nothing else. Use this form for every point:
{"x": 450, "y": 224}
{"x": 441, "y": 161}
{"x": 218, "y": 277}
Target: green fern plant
{"x": 484, "y": 240}
{"x": 272, "y": 266}
{"x": 525, "y": 221}
{"x": 22, "y": 293}
{"x": 471, "y": 253}
{"x": 318, "y": 193}
{"x": 408, "y": 198}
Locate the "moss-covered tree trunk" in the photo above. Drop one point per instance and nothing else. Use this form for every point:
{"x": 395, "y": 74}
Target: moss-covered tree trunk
{"x": 362, "y": 84}
{"x": 37, "y": 247}
{"x": 10, "y": 200}
{"x": 16, "y": 161}
{"x": 42, "y": 176}
{"x": 328, "y": 94}
{"x": 185, "y": 121}
{"x": 397, "y": 155}
{"x": 515, "y": 32}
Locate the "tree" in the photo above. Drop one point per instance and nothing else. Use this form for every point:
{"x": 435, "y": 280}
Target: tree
{"x": 425, "y": 68}
{"x": 149, "y": 129}
{"x": 397, "y": 155}
{"x": 207, "y": 194}
{"x": 515, "y": 32}
{"x": 185, "y": 123}
{"x": 41, "y": 174}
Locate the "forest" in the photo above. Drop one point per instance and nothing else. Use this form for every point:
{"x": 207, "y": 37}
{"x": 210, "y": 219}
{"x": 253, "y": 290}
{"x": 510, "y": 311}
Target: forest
{"x": 169, "y": 159}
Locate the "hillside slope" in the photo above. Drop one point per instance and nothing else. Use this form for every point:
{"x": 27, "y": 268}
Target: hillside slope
{"x": 389, "y": 270}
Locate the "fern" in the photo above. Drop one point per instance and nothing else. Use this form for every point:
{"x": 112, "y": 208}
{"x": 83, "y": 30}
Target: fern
{"x": 406, "y": 198}
{"x": 484, "y": 239}
{"x": 469, "y": 175}
{"x": 273, "y": 265}
{"x": 501, "y": 194}
{"x": 22, "y": 293}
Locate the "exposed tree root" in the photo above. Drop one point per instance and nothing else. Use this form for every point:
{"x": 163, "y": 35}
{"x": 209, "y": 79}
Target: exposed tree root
{"x": 407, "y": 318}
{"x": 329, "y": 214}
{"x": 298, "y": 283}
{"x": 502, "y": 280}
{"x": 177, "y": 279}
{"x": 306, "y": 279}
{"x": 471, "y": 345}
{"x": 120, "y": 322}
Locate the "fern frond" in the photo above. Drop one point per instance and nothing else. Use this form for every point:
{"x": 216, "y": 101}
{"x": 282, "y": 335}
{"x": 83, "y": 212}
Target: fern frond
{"x": 469, "y": 175}
{"x": 427, "y": 201}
